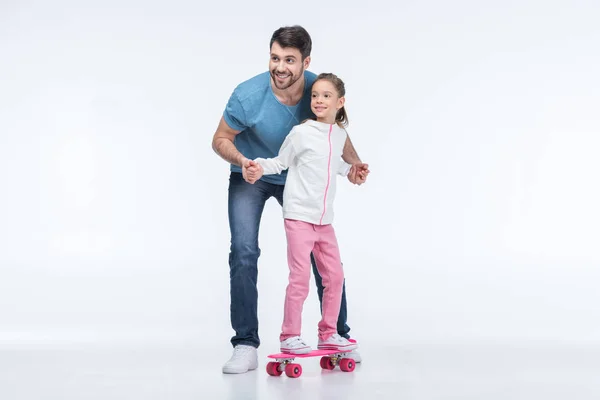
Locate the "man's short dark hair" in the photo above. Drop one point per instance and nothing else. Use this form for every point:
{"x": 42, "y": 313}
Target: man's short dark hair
{"x": 293, "y": 36}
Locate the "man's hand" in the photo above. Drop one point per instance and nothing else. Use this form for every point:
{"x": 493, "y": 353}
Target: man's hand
{"x": 251, "y": 171}
{"x": 358, "y": 173}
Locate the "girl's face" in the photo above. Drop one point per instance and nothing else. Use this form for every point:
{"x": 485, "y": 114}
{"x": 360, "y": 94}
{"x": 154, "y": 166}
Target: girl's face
{"x": 325, "y": 101}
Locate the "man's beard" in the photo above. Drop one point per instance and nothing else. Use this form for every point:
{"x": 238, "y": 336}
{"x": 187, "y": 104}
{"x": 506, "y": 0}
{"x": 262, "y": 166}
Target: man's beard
{"x": 289, "y": 81}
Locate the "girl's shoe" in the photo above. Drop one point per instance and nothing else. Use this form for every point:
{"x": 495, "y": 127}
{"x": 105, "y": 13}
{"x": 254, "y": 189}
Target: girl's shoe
{"x": 294, "y": 345}
{"x": 337, "y": 343}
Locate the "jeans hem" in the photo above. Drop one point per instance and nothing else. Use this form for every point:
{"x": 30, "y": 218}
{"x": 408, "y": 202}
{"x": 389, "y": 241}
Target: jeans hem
{"x": 245, "y": 343}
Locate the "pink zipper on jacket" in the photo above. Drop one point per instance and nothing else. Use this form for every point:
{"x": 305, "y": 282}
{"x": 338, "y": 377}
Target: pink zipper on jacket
{"x": 328, "y": 177}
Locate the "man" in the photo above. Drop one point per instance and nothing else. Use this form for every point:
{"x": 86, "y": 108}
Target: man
{"x": 259, "y": 114}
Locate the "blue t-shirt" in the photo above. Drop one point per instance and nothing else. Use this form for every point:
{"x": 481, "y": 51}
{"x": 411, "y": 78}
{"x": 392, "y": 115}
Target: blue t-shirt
{"x": 263, "y": 120}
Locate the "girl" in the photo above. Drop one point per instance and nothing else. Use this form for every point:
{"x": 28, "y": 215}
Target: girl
{"x": 312, "y": 151}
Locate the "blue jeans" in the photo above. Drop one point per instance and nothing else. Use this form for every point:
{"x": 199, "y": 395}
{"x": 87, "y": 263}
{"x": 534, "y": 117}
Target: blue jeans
{"x": 246, "y": 204}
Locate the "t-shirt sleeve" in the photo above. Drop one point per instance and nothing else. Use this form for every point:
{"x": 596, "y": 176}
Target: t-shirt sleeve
{"x": 234, "y": 113}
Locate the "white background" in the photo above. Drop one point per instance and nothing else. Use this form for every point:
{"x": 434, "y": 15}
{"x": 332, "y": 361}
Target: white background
{"x": 479, "y": 120}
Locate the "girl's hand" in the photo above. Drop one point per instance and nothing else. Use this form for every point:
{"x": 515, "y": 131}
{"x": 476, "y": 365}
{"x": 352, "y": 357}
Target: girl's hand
{"x": 358, "y": 173}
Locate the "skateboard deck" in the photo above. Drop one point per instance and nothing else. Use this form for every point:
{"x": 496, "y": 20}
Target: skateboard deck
{"x": 314, "y": 353}
{"x": 329, "y": 360}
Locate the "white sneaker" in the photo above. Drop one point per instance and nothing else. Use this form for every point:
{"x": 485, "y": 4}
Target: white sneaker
{"x": 295, "y": 345}
{"x": 355, "y": 355}
{"x": 244, "y": 358}
{"x": 336, "y": 342}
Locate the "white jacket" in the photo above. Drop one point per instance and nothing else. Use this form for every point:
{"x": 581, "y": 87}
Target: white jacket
{"x": 312, "y": 151}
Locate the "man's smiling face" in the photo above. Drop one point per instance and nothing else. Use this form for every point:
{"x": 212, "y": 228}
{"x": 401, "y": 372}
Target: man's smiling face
{"x": 286, "y": 65}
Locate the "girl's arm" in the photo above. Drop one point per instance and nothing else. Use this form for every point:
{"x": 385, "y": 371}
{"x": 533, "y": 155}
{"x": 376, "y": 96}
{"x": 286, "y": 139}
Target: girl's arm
{"x": 349, "y": 153}
{"x": 343, "y": 168}
{"x": 283, "y": 161}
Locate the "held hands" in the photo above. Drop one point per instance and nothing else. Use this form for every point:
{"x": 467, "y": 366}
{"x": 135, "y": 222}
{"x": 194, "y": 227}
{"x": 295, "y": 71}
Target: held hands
{"x": 251, "y": 171}
{"x": 358, "y": 173}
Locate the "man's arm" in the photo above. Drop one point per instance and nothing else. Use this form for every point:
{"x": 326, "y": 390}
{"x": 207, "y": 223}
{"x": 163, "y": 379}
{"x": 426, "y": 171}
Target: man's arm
{"x": 222, "y": 144}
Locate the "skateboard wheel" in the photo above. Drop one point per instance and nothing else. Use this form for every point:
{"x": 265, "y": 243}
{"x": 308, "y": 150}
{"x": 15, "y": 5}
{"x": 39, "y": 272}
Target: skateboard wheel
{"x": 326, "y": 363}
{"x": 273, "y": 369}
{"x": 347, "y": 364}
{"x": 293, "y": 370}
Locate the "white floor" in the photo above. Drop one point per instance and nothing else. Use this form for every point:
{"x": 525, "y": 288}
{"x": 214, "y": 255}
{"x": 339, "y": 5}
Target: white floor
{"x": 432, "y": 371}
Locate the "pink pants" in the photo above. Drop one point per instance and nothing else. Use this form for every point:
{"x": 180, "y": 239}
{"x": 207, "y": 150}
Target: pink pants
{"x": 304, "y": 238}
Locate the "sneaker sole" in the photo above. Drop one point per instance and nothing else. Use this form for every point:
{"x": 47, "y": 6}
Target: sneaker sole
{"x": 295, "y": 353}
{"x": 233, "y": 370}
{"x": 305, "y": 350}
{"x": 340, "y": 349}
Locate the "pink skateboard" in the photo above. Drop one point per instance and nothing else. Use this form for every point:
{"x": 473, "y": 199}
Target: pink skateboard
{"x": 329, "y": 359}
